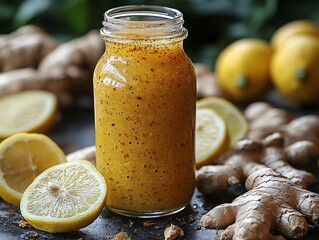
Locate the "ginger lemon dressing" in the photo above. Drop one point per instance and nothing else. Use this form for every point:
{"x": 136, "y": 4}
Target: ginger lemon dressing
{"x": 145, "y": 96}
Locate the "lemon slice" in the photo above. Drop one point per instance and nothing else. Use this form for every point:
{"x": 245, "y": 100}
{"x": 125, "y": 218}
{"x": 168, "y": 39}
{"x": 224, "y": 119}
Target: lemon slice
{"x": 210, "y": 137}
{"x": 236, "y": 123}
{"x": 65, "y": 197}
{"x": 24, "y": 156}
{"x": 28, "y": 111}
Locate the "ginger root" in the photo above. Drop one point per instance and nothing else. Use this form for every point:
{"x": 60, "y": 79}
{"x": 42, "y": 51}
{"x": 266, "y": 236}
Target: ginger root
{"x": 272, "y": 204}
{"x": 250, "y": 155}
{"x": 302, "y": 128}
{"x": 275, "y": 200}
{"x": 65, "y": 69}
{"x": 265, "y": 120}
{"x": 207, "y": 85}
{"x": 25, "y": 47}
{"x": 73, "y": 63}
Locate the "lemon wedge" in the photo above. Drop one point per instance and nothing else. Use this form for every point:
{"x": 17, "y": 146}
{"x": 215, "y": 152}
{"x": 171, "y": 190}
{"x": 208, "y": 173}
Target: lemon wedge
{"x": 236, "y": 123}
{"x": 210, "y": 137}
{"x": 24, "y": 156}
{"x": 65, "y": 197}
{"x": 28, "y": 111}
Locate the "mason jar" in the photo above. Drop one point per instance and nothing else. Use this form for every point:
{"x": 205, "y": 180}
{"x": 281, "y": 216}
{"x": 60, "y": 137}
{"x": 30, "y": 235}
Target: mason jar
{"x": 145, "y": 97}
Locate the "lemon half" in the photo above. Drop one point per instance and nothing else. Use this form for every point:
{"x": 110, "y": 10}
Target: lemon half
{"x": 65, "y": 197}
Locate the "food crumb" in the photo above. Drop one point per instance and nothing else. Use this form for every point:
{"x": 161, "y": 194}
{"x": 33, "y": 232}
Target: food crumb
{"x": 23, "y": 224}
{"x": 122, "y": 236}
{"x": 35, "y": 235}
{"x": 148, "y": 224}
{"x": 173, "y": 232}
{"x": 191, "y": 218}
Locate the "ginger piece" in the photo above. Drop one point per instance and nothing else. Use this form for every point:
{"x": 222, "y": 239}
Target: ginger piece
{"x": 74, "y": 62}
{"x": 19, "y": 80}
{"x": 207, "y": 85}
{"x": 66, "y": 71}
{"x": 264, "y": 119}
{"x": 24, "y": 48}
{"x": 272, "y": 204}
{"x": 302, "y": 128}
{"x": 173, "y": 232}
{"x": 30, "y": 79}
{"x": 87, "y": 153}
{"x": 250, "y": 155}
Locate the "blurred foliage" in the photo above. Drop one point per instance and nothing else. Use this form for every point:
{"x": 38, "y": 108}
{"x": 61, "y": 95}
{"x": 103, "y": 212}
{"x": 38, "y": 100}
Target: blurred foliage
{"x": 212, "y": 24}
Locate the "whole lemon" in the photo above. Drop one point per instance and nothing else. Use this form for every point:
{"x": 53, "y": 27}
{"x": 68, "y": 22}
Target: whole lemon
{"x": 242, "y": 69}
{"x": 297, "y": 27}
{"x": 294, "y": 69}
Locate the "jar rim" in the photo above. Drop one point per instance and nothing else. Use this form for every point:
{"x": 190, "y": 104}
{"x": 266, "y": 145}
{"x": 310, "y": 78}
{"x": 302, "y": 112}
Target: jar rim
{"x": 123, "y": 14}
{"x": 143, "y": 22}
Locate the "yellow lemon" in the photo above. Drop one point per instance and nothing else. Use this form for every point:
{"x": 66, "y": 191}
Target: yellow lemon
{"x": 24, "y": 156}
{"x": 210, "y": 137}
{"x": 28, "y": 111}
{"x": 242, "y": 69}
{"x": 236, "y": 123}
{"x": 298, "y": 27}
{"x": 294, "y": 69}
{"x": 65, "y": 197}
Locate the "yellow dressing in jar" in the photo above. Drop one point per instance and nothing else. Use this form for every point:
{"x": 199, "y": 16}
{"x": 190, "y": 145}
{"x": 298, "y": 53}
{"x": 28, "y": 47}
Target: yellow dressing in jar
{"x": 145, "y": 96}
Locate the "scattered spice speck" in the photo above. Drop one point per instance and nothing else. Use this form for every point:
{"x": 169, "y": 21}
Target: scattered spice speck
{"x": 148, "y": 224}
{"x": 23, "y": 224}
{"x": 191, "y": 218}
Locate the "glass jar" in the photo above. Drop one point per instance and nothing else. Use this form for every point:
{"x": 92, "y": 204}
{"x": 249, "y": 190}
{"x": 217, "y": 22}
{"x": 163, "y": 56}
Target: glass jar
{"x": 145, "y": 97}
